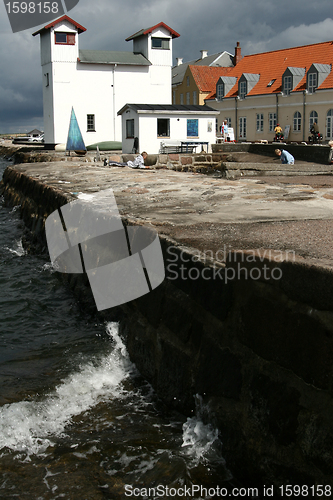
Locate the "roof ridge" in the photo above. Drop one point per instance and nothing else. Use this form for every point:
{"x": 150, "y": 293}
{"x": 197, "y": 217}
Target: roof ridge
{"x": 289, "y": 48}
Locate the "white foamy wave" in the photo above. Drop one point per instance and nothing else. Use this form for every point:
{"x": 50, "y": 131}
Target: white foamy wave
{"x": 29, "y": 426}
{"x": 18, "y": 249}
{"x": 198, "y": 439}
{"x": 50, "y": 267}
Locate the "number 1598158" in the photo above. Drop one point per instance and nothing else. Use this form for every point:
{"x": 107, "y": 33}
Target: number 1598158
{"x": 305, "y": 491}
{"x": 32, "y": 7}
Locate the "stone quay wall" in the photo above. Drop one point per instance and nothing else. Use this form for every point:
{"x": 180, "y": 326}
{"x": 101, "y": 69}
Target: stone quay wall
{"x": 227, "y": 160}
{"x": 249, "y": 335}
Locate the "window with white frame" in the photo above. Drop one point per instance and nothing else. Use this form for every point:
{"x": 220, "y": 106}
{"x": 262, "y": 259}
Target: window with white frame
{"x": 329, "y": 124}
{"x": 181, "y": 98}
{"x": 272, "y": 121}
{"x": 313, "y": 118}
{"x": 242, "y": 89}
{"x": 260, "y": 122}
{"x": 188, "y": 98}
{"x": 312, "y": 82}
{"x": 287, "y": 84}
{"x": 90, "y": 123}
{"x": 195, "y": 98}
{"x": 220, "y": 91}
{"x": 297, "y": 121}
{"x": 228, "y": 121}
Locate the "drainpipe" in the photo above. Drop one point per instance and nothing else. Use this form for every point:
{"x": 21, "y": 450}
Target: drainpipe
{"x": 114, "y": 103}
{"x": 304, "y": 93}
{"x": 277, "y": 108}
{"x": 236, "y": 118}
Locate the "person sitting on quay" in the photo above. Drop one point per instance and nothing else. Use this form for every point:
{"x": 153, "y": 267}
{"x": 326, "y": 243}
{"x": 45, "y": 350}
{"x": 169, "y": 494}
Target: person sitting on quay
{"x": 285, "y": 156}
{"x": 278, "y": 131}
{"x": 138, "y": 162}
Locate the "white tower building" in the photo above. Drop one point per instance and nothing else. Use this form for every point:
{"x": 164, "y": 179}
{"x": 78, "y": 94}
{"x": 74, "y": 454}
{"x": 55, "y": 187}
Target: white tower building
{"x": 99, "y": 83}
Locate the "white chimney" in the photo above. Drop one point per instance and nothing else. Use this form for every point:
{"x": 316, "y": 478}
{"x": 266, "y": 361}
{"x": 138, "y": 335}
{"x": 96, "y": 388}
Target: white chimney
{"x": 179, "y": 61}
{"x": 204, "y": 53}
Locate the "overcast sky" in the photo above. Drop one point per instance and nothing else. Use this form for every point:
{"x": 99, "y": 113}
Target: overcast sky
{"x": 213, "y": 25}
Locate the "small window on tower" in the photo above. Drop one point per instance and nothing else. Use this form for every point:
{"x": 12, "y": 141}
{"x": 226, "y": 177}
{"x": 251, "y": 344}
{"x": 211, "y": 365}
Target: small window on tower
{"x": 64, "y": 38}
{"x": 160, "y": 43}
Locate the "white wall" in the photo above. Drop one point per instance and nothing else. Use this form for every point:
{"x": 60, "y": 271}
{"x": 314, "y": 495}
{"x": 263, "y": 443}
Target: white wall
{"x": 146, "y": 130}
{"x": 98, "y": 89}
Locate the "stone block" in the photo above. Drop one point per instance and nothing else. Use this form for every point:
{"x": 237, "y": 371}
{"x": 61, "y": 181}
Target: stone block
{"x": 219, "y": 372}
{"x": 163, "y": 159}
{"x": 129, "y": 157}
{"x": 151, "y": 160}
{"x": 174, "y": 157}
{"x": 115, "y": 158}
{"x": 219, "y": 157}
{"x": 200, "y": 158}
{"x": 186, "y": 160}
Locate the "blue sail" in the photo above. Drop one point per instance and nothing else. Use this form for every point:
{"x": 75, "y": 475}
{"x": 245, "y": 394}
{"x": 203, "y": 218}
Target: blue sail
{"x": 74, "y": 140}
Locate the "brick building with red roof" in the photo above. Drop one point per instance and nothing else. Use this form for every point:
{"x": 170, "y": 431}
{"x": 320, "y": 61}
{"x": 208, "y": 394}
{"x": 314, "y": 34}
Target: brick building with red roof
{"x": 293, "y": 87}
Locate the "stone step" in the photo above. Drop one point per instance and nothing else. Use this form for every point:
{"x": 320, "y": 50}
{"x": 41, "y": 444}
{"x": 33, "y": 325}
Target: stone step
{"x": 239, "y": 169}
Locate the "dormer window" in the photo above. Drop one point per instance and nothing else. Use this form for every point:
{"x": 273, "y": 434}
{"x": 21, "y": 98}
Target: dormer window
{"x": 312, "y": 82}
{"x": 246, "y": 83}
{"x": 242, "y": 89}
{"x": 316, "y": 75}
{"x": 220, "y": 91}
{"x": 64, "y": 38}
{"x": 160, "y": 43}
{"x": 224, "y": 85}
{"x": 291, "y": 78}
{"x": 287, "y": 84}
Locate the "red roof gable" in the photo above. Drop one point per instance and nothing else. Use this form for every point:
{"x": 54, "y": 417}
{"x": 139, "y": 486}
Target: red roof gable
{"x": 271, "y": 66}
{"x": 80, "y": 28}
{"x": 149, "y": 30}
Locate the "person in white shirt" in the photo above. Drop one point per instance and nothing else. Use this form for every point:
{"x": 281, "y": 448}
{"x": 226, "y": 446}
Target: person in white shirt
{"x": 138, "y": 162}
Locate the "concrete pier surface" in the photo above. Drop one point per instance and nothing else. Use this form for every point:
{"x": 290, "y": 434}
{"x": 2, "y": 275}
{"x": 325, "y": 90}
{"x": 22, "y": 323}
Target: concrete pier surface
{"x": 206, "y": 212}
{"x": 244, "y": 318}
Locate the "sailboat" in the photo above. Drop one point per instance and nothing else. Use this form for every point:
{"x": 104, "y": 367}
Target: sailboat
{"x": 74, "y": 139}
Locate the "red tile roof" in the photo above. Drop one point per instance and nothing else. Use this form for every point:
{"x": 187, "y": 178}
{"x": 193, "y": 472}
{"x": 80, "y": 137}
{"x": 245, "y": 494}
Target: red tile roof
{"x": 206, "y": 77}
{"x": 270, "y": 66}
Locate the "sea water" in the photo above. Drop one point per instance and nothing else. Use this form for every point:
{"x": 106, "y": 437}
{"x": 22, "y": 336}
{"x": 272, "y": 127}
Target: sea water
{"x": 77, "y": 421}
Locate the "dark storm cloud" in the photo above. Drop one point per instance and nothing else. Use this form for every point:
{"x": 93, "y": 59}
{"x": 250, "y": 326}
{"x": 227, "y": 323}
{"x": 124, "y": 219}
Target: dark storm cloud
{"x": 214, "y": 25}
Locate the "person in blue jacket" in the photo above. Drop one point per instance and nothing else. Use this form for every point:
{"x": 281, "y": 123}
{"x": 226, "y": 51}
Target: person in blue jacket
{"x": 285, "y": 156}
